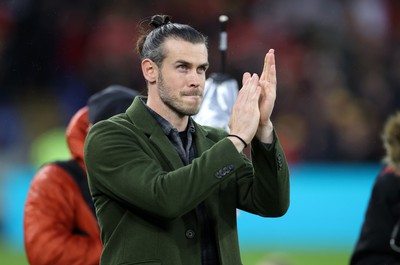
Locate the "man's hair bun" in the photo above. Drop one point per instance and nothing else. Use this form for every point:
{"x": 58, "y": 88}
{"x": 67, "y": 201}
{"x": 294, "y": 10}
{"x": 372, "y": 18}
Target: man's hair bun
{"x": 159, "y": 20}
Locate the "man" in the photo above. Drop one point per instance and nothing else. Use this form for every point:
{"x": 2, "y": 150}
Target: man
{"x": 165, "y": 188}
{"x": 59, "y": 224}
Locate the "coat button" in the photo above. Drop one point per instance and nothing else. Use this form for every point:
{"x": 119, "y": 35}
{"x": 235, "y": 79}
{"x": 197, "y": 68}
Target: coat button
{"x": 190, "y": 234}
{"x": 224, "y": 171}
{"x": 279, "y": 160}
{"x": 218, "y": 174}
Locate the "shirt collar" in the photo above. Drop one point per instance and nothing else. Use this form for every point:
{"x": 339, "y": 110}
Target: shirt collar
{"x": 165, "y": 125}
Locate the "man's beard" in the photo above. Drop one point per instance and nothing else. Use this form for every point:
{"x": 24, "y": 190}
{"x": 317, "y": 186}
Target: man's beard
{"x": 174, "y": 103}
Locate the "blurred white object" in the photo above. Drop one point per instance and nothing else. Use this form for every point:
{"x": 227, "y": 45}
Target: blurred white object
{"x": 220, "y": 93}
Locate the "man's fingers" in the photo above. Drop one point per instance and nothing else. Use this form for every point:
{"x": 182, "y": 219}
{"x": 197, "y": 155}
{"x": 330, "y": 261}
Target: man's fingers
{"x": 249, "y": 90}
{"x": 269, "y": 60}
{"x": 254, "y": 82}
{"x": 272, "y": 68}
{"x": 245, "y": 77}
{"x": 272, "y": 74}
{"x": 251, "y": 84}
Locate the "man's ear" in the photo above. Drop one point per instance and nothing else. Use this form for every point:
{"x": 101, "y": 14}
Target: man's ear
{"x": 150, "y": 70}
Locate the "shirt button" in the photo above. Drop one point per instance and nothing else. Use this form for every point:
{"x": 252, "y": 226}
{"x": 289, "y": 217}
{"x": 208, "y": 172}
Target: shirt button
{"x": 190, "y": 234}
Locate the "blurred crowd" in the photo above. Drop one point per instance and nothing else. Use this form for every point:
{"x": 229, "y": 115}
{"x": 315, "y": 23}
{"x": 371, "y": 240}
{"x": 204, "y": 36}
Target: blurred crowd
{"x": 338, "y": 64}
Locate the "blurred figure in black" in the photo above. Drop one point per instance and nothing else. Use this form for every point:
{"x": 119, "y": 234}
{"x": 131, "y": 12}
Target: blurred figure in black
{"x": 379, "y": 241}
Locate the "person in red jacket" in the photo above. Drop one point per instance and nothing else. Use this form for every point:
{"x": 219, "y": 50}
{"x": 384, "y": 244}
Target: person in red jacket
{"x": 60, "y": 226}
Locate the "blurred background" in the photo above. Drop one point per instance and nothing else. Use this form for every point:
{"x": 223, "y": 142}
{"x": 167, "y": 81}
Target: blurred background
{"x": 338, "y": 66}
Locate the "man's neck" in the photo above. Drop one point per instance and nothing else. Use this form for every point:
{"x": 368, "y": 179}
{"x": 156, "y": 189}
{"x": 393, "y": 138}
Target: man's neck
{"x": 177, "y": 121}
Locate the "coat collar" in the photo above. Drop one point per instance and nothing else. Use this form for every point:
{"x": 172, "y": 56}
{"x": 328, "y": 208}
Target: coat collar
{"x": 144, "y": 121}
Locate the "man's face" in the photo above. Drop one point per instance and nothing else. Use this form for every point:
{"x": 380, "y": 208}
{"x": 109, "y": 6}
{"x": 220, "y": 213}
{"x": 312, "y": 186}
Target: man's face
{"x": 182, "y": 76}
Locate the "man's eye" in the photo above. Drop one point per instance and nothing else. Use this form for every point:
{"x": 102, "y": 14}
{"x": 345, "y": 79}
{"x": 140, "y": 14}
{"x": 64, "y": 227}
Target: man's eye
{"x": 182, "y": 67}
{"x": 202, "y": 69}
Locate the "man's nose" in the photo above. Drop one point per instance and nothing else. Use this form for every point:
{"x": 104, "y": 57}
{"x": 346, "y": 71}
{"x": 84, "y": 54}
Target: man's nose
{"x": 194, "y": 78}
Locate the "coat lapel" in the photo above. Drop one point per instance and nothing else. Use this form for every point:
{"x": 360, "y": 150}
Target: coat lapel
{"x": 203, "y": 143}
{"x": 143, "y": 120}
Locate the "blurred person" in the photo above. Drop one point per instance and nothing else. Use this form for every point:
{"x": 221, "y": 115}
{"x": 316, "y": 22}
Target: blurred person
{"x": 165, "y": 188}
{"x": 60, "y": 225}
{"x": 379, "y": 239}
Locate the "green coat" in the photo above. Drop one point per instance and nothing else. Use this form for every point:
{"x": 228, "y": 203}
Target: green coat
{"x": 145, "y": 197}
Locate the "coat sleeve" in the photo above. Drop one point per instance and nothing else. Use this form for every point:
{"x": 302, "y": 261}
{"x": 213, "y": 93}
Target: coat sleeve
{"x": 264, "y": 185}
{"x": 52, "y": 232}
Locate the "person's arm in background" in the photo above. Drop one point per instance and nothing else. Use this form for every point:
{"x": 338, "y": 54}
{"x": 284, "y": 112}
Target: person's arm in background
{"x": 53, "y": 234}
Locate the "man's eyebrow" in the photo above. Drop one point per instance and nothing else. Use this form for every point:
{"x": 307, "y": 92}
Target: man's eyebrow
{"x": 187, "y": 63}
{"x": 206, "y": 65}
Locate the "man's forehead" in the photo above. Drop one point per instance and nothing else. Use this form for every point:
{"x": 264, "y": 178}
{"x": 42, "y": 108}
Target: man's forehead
{"x": 181, "y": 50}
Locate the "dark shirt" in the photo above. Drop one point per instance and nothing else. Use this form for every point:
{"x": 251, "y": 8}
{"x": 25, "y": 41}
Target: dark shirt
{"x": 183, "y": 142}
{"x": 383, "y": 212}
